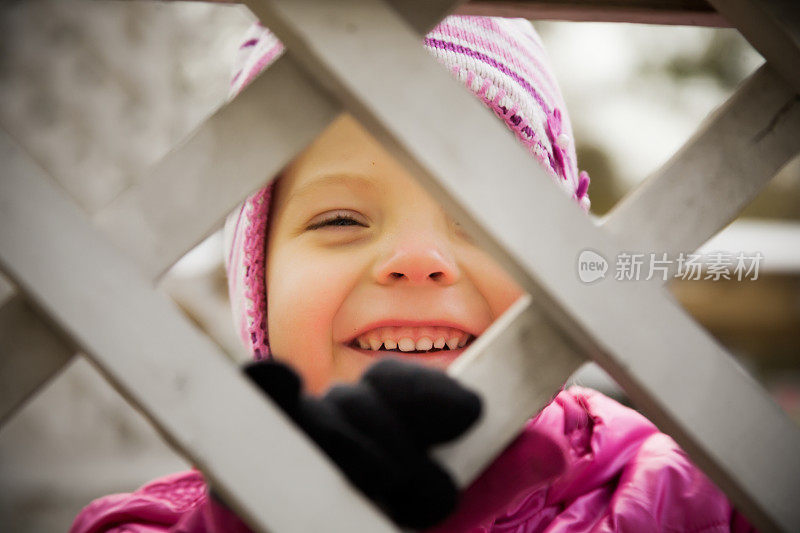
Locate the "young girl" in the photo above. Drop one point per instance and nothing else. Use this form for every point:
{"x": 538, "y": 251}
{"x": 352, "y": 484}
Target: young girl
{"x": 345, "y": 260}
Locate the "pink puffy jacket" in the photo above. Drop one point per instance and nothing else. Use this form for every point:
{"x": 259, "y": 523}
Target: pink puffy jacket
{"x": 586, "y": 464}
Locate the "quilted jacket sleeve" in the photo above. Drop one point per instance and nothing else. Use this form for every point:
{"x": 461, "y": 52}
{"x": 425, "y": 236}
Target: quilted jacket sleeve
{"x": 623, "y": 475}
{"x": 177, "y": 503}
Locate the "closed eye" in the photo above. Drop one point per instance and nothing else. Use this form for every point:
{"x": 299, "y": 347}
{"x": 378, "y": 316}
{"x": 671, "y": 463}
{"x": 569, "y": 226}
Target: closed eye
{"x": 338, "y": 220}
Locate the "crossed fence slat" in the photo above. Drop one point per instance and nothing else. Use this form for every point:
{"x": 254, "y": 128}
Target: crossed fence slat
{"x": 488, "y": 350}
{"x": 152, "y": 225}
{"x": 165, "y": 367}
{"x": 729, "y": 160}
{"x": 772, "y": 27}
{"x": 187, "y": 194}
{"x": 717, "y": 403}
{"x": 720, "y": 160}
{"x": 182, "y": 199}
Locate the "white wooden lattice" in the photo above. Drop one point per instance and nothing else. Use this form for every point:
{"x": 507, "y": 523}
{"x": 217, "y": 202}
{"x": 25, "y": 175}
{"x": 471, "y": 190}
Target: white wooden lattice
{"x": 100, "y": 303}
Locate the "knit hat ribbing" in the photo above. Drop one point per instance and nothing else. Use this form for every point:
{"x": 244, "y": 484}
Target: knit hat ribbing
{"x": 502, "y": 61}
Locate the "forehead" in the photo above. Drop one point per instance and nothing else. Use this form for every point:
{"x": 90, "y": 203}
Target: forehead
{"x": 345, "y": 155}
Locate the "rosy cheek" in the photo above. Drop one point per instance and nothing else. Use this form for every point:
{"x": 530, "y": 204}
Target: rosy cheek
{"x": 506, "y": 294}
{"x": 303, "y": 300}
{"x": 498, "y": 288}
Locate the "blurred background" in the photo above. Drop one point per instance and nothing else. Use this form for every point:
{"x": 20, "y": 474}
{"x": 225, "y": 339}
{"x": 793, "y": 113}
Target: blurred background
{"x": 98, "y": 91}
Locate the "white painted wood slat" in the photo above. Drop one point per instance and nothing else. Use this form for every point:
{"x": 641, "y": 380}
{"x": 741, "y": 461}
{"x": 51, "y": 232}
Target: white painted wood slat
{"x": 668, "y": 365}
{"x": 718, "y": 161}
{"x": 718, "y": 171}
{"x": 772, "y": 27}
{"x": 188, "y": 193}
{"x": 166, "y": 368}
{"x": 182, "y": 199}
{"x": 515, "y": 366}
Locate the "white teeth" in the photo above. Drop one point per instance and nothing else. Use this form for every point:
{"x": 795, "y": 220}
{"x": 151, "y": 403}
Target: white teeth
{"x": 406, "y": 345}
{"x": 424, "y": 344}
{"x": 431, "y": 338}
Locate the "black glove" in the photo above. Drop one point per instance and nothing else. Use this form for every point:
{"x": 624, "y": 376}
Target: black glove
{"x": 380, "y": 429}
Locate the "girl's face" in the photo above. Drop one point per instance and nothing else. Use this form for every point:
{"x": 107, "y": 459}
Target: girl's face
{"x": 359, "y": 254}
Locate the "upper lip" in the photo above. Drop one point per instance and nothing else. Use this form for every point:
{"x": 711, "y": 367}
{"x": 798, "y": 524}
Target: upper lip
{"x": 399, "y": 322}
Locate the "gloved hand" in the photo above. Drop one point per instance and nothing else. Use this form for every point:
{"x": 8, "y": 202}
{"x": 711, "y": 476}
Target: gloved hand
{"x": 379, "y": 431}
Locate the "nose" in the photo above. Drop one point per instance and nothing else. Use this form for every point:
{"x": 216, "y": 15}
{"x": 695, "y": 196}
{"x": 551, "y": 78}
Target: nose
{"x": 418, "y": 259}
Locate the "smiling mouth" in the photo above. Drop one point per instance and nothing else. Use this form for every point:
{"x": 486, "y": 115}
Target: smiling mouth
{"x": 444, "y": 350}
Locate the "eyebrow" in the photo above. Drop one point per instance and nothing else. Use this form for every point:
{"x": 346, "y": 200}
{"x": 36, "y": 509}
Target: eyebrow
{"x": 353, "y": 181}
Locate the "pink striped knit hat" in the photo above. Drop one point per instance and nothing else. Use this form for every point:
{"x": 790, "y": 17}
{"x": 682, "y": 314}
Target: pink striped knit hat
{"x": 502, "y": 61}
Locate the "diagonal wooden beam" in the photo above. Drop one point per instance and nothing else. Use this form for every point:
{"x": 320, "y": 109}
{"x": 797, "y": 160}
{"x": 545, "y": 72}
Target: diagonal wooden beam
{"x": 414, "y": 118}
{"x": 177, "y": 204}
{"x": 721, "y": 169}
{"x": 772, "y": 27}
{"x": 716, "y": 173}
{"x": 719, "y": 160}
{"x": 163, "y": 366}
{"x": 182, "y": 200}
{"x": 515, "y": 366}
{"x": 187, "y": 194}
